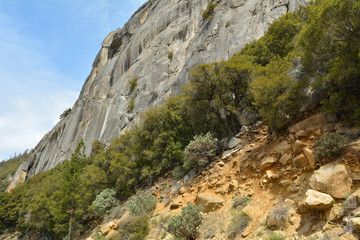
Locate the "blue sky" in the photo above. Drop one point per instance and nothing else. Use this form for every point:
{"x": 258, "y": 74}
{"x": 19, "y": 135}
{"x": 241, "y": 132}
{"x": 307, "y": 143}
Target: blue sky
{"x": 46, "y": 52}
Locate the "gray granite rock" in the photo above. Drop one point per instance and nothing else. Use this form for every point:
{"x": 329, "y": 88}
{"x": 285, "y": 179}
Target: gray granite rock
{"x": 140, "y": 49}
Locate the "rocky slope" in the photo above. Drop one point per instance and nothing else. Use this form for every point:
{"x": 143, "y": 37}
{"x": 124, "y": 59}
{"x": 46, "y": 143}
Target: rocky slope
{"x": 277, "y": 182}
{"x": 161, "y": 42}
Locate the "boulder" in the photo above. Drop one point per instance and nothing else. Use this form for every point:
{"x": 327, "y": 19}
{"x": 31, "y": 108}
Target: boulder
{"x": 233, "y": 185}
{"x": 209, "y": 203}
{"x": 267, "y": 162}
{"x": 356, "y": 223}
{"x": 355, "y": 195}
{"x": 335, "y": 213}
{"x": 300, "y": 134}
{"x": 309, "y": 156}
{"x": 348, "y": 236}
{"x": 233, "y": 143}
{"x": 282, "y": 147}
{"x": 352, "y": 202}
{"x": 356, "y": 212}
{"x": 175, "y": 205}
{"x": 309, "y": 123}
{"x": 298, "y": 146}
{"x": 332, "y": 179}
{"x": 317, "y": 201}
{"x": 300, "y": 161}
{"x": 285, "y": 159}
{"x": 105, "y": 229}
{"x": 271, "y": 173}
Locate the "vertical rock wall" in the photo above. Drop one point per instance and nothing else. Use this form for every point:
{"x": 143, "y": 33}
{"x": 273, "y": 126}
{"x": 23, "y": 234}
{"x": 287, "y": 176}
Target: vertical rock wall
{"x": 141, "y": 50}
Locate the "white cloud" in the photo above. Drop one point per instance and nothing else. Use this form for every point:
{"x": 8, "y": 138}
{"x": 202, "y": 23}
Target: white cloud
{"x": 31, "y": 94}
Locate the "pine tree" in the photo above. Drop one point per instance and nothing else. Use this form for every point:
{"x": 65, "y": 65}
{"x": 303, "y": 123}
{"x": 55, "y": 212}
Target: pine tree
{"x": 69, "y": 192}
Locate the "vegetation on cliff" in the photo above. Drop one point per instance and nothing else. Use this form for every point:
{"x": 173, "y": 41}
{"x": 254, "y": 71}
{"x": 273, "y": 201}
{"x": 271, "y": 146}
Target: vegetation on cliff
{"x": 258, "y": 80}
{"x": 9, "y": 167}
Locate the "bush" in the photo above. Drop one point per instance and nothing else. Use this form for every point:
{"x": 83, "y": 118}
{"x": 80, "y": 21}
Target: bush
{"x": 170, "y": 55}
{"x": 241, "y": 202}
{"x": 99, "y": 237}
{"x": 276, "y": 236}
{"x": 330, "y": 145}
{"x": 279, "y": 216}
{"x": 143, "y": 204}
{"x": 133, "y": 83}
{"x": 239, "y": 222}
{"x": 104, "y": 201}
{"x": 187, "y": 224}
{"x": 200, "y": 151}
{"x": 131, "y": 105}
{"x": 209, "y": 11}
{"x": 65, "y": 113}
{"x": 134, "y": 228}
{"x": 178, "y": 172}
{"x": 277, "y": 95}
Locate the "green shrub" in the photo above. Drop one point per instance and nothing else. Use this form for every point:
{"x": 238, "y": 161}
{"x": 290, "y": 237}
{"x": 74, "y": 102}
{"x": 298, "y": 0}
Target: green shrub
{"x": 227, "y": 24}
{"x": 170, "y": 55}
{"x": 104, "y": 201}
{"x": 330, "y": 145}
{"x": 200, "y": 151}
{"x": 143, "y": 204}
{"x": 134, "y": 228}
{"x": 277, "y": 95}
{"x": 240, "y": 202}
{"x": 239, "y": 222}
{"x": 99, "y": 237}
{"x": 65, "y": 113}
{"x": 210, "y": 233}
{"x": 133, "y": 83}
{"x": 178, "y": 172}
{"x": 187, "y": 224}
{"x": 117, "y": 212}
{"x": 131, "y": 105}
{"x": 276, "y": 236}
{"x": 209, "y": 11}
{"x": 331, "y": 53}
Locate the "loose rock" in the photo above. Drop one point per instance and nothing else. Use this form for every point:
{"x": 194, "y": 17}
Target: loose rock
{"x": 267, "y": 162}
{"x": 309, "y": 123}
{"x": 298, "y": 146}
{"x": 300, "y": 161}
{"x": 332, "y": 179}
{"x": 317, "y": 201}
{"x": 309, "y": 156}
{"x": 209, "y": 203}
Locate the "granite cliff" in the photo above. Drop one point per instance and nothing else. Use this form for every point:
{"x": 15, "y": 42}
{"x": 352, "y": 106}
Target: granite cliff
{"x": 158, "y": 46}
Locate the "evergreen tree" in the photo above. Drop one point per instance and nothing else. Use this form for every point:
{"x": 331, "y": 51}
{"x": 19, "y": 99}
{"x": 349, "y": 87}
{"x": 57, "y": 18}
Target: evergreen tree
{"x": 69, "y": 196}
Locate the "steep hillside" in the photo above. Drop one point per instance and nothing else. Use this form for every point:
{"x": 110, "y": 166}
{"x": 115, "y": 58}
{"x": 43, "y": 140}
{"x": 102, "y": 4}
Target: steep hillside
{"x": 293, "y": 169}
{"x": 146, "y": 61}
{"x": 265, "y": 188}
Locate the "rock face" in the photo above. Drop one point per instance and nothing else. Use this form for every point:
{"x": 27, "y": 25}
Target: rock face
{"x": 141, "y": 50}
{"x": 332, "y": 179}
